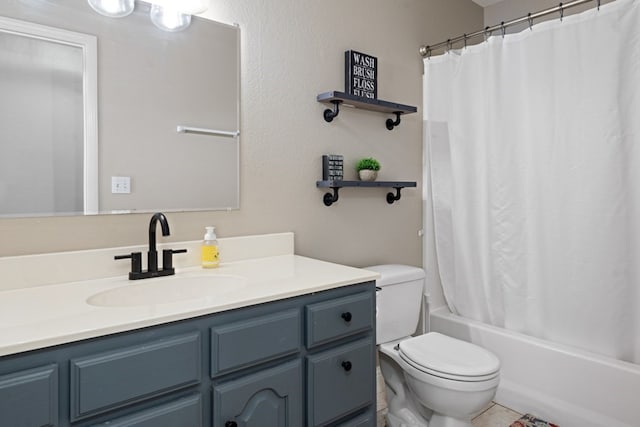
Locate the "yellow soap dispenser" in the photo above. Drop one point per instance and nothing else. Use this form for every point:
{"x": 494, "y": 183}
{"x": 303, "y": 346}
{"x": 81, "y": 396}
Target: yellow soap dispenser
{"x": 210, "y": 252}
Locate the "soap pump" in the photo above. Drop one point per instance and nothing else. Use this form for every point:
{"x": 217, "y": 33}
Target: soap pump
{"x": 210, "y": 249}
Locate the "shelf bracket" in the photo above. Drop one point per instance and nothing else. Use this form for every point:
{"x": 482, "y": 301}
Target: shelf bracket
{"x": 394, "y": 197}
{"x": 329, "y": 198}
{"x": 391, "y": 124}
{"x": 330, "y": 114}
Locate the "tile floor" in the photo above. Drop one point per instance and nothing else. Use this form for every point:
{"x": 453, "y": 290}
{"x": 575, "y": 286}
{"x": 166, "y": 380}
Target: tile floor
{"x": 494, "y": 416}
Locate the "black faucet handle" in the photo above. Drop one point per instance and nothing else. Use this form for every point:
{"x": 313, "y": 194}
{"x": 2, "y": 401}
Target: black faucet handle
{"x": 167, "y": 257}
{"x": 136, "y": 261}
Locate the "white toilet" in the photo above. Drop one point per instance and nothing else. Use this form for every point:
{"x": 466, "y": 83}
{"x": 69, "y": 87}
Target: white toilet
{"x": 431, "y": 380}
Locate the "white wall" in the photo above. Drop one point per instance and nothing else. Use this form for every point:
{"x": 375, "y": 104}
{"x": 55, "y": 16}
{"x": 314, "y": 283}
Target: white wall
{"x": 291, "y": 51}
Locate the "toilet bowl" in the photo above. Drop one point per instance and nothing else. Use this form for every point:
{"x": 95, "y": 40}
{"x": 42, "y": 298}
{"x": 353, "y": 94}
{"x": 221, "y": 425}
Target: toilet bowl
{"x": 455, "y": 383}
{"x": 431, "y": 380}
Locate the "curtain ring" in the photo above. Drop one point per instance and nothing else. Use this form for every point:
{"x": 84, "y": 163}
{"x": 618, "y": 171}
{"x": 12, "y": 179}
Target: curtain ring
{"x": 487, "y": 33}
{"x": 598, "y": 2}
{"x": 503, "y": 29}
{"x": 449, "y": 45}
{"x": 428, "y": 52}
{"x": 530, "y": 19}
{"x": 561, "y": 11}
{"x": 465, "y": 41}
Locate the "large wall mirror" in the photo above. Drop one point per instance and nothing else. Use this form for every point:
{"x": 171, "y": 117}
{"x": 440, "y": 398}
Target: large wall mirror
{"x": 110, "y": 138}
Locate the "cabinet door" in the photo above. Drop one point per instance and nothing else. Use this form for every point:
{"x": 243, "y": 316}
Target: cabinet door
{"x": 272, "y": 397}
{"x": 30, "y": 398}
{"x": 340, "y": 381}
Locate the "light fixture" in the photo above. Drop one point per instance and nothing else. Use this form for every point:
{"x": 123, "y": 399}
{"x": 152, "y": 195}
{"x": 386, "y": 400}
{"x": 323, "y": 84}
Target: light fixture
{"x": 168, "y": 15}
{"x": 168, "y": 19}
{"x": 112, "y": 8}
{"x": 186, "y": 7}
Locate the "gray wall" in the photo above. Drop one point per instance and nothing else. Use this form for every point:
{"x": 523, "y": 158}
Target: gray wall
{"x": 291, "y": 51}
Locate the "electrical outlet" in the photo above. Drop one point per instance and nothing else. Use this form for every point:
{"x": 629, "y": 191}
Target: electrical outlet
{"x": 120, "y": 185}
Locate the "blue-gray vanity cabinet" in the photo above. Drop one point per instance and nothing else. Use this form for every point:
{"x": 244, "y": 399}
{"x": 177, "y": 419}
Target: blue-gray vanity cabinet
{"x": 255, "y": 340}
{"x": 107, "y": 380}
{"x": 271, "y": 397}
{"x": 339, "y": 381}
{"x": 30, "y": 397}
{"x": 181, "y": 412}
{"x": 364, "y": 420}
{"x": 340, "y": 378}
{"x": 340, "y": 317}
{"x": 277, "y": 364}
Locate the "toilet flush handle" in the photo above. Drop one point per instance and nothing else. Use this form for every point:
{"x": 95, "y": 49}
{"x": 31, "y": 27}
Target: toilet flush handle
{"x": 346, "y": 365}
{"x": 346, "y": 316}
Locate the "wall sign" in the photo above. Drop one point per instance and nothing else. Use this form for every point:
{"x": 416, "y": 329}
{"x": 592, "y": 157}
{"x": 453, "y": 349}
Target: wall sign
{"x": 361, "y": 74}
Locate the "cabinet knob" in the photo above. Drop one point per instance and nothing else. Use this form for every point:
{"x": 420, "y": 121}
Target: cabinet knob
{"x": 231, "y": 424}
{"x": 346, "y": 316}
{"x": 346, "y": 365}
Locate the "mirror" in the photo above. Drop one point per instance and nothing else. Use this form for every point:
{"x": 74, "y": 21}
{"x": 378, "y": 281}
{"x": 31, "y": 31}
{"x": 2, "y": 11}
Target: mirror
{"x": 150, "y": 84}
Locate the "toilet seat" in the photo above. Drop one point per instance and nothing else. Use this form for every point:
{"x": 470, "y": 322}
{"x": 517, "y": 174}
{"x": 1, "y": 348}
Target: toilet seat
{"x": 449, "y": 358}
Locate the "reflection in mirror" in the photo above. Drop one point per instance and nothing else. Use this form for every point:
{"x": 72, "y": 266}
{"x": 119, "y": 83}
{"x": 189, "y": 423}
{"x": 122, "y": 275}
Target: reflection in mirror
{"x": 47, "y": 116}
{"x": 150, "y": 82}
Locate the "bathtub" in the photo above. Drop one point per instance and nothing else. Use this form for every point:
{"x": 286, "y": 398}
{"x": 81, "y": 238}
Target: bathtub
{"x": 561, "y": 384}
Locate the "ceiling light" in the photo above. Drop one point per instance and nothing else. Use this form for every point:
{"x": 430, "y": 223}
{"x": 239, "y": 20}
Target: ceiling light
{"x": 169, "y": 19}
{"x": 112, "y": 8}
{"x": 187, "y": 7}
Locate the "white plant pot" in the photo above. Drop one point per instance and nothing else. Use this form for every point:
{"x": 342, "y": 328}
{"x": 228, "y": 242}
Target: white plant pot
{"x": 367, "y": 175}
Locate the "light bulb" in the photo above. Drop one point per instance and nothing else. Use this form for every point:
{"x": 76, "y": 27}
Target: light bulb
{"x": 169, "y": 19}
{"x": 112, "y": 8}
{"x": 187, "y": 7}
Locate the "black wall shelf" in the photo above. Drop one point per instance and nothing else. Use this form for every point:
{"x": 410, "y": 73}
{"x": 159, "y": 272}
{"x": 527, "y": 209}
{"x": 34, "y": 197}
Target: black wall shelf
{"x": 337, "y": 98}
{"x": 331, "y": 198}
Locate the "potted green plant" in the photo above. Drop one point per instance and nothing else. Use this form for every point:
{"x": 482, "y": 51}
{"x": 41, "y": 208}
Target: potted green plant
{"x": 368, "y": 169}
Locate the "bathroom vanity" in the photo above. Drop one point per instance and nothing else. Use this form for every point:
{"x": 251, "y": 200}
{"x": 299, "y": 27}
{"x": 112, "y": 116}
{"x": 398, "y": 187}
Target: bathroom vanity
{"x": 293, "y": 346}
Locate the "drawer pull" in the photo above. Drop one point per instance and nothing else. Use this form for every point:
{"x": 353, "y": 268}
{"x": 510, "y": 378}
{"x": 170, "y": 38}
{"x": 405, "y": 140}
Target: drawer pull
{"x": 346, "y": 365}
{"x": 231, "y": 424}
{"x": 346, "y": 316}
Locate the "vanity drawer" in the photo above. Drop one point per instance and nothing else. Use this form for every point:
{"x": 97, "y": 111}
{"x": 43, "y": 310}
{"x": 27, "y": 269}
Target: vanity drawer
{"x": 340, "y": 381}
{"x": 108, "y": 380}
{"x": 30, "y": 397}
{"x": 181, "y": 412}
{"x": 247, "y": 342}
{"x": 337, "y": 318}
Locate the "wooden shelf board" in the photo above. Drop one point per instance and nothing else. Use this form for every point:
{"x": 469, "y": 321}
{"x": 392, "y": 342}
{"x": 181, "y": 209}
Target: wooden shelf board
{"x": 365, "y": 103}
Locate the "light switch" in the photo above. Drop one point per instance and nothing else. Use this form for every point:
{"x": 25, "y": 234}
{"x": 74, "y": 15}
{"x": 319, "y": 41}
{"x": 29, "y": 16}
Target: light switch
{"x": 120, "y": 185}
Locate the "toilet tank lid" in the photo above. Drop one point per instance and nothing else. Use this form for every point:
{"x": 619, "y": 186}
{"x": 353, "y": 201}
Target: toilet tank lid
{"x": 396, "y": 273}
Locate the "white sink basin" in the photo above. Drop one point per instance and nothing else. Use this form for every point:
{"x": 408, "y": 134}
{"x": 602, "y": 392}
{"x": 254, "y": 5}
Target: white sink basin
{"x": 167, "y": 290}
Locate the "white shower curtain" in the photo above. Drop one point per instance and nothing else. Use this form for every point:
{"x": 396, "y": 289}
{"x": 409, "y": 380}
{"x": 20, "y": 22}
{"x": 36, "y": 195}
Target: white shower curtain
{"x": 532, "y": 143}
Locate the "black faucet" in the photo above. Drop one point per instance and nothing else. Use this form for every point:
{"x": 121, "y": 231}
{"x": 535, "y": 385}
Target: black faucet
{"x": 152, "y": 254}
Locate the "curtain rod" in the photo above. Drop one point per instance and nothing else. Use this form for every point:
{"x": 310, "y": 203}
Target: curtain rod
{"x": 428, "y": 49}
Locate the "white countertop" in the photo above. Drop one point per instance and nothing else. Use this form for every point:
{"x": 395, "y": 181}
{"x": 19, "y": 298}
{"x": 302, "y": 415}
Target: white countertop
{"x": 42, "y": 316}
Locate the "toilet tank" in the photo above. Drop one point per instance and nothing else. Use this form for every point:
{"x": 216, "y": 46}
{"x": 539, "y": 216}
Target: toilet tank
{"x": 397, "y": 300}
